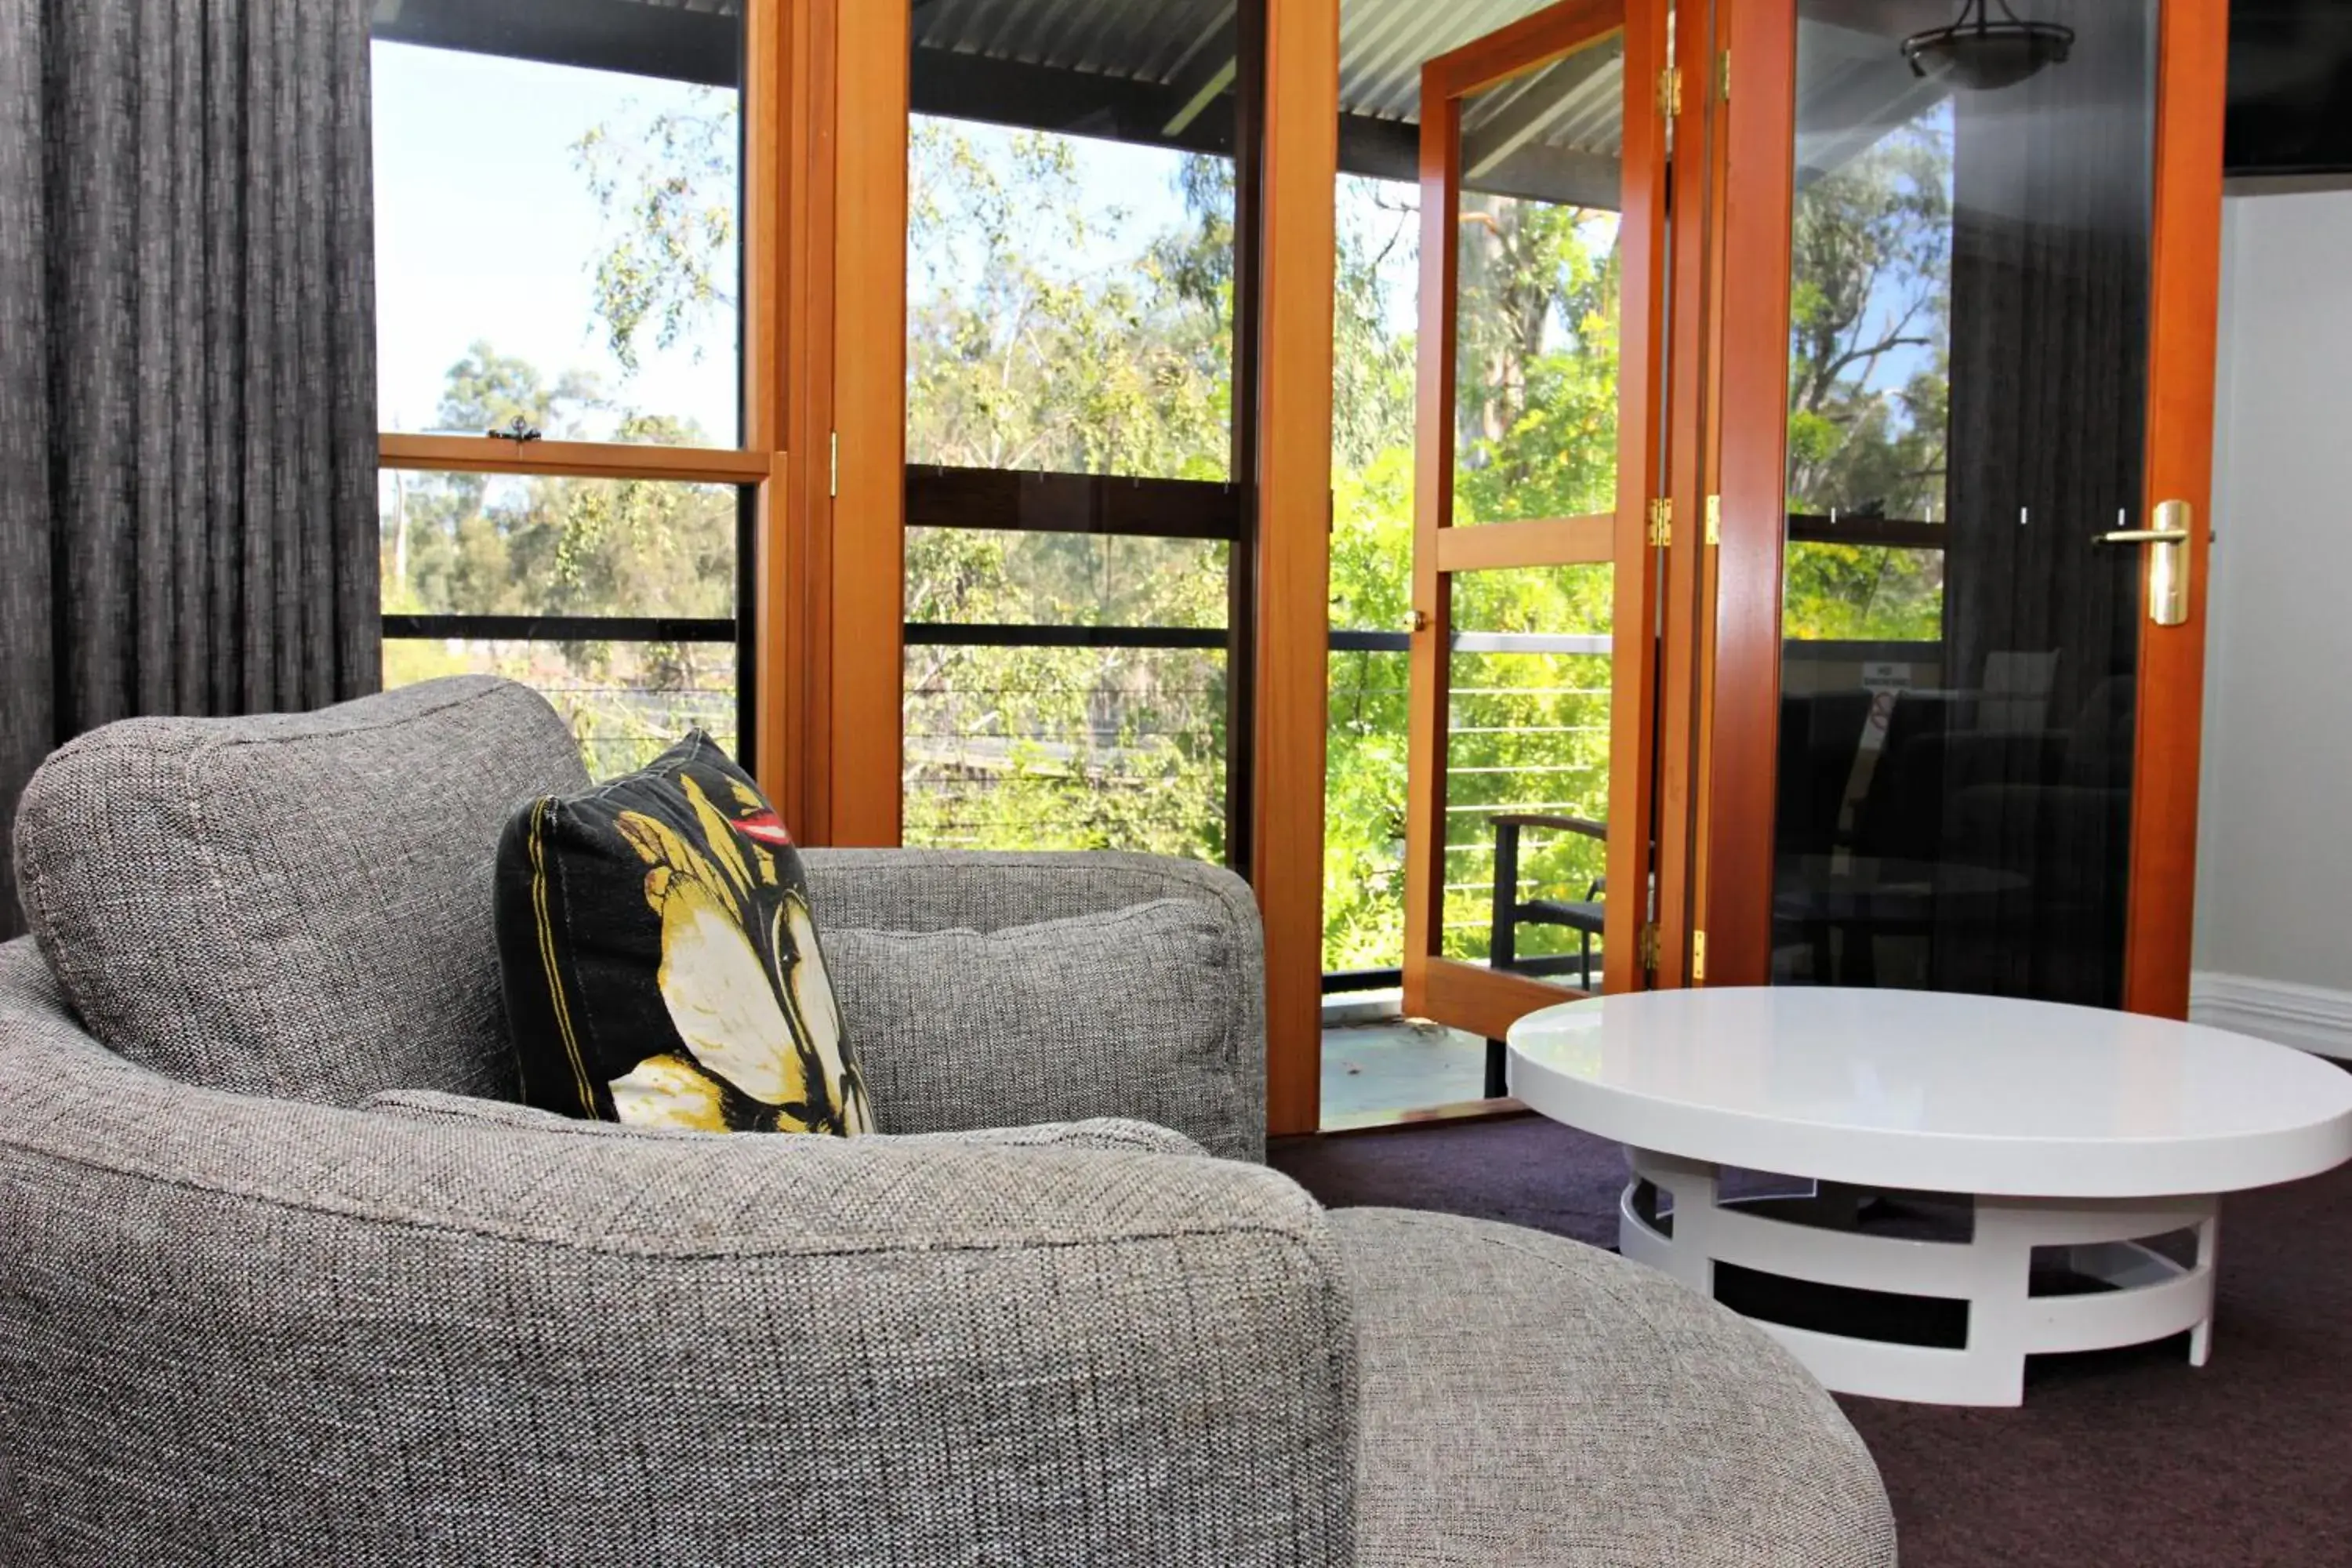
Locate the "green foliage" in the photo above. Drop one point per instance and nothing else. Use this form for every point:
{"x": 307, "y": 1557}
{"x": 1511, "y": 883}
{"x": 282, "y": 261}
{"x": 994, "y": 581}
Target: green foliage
{"x": 1536, "y": 422}
{"x": 1043, "y": 333}
{"x": 1046, "y": 333}
{"x": 463, "y": 545}
{"x": 667, "y": 188}
{"x": 1040, "y": 336}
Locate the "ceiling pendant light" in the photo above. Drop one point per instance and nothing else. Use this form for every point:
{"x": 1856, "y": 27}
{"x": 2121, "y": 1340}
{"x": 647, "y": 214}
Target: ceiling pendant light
{"x": 1980, "y": 54}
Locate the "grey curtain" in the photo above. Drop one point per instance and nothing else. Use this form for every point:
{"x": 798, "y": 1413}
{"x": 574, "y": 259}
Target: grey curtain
{"x": 187, "y": 367}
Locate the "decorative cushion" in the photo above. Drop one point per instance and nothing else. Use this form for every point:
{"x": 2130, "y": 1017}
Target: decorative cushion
{"x": 662, "y": 968}
{"x": 292, "y": 905}
{"x": 1136, "y": 1012}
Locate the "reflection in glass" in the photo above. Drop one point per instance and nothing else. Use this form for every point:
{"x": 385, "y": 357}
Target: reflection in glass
{"x": 1968, "y": 359}
{"x": 1526, "y": 769}
{"x": 1066, "y": 748}
{"x": 558, "y": 223}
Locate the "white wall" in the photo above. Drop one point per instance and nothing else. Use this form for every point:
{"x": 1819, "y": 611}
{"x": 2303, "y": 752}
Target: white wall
{"x": 2274, "y": 872}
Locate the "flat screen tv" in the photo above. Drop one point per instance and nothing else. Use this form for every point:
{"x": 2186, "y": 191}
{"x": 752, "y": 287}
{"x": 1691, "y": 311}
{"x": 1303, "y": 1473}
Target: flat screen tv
{"x": 2290, "y": 87}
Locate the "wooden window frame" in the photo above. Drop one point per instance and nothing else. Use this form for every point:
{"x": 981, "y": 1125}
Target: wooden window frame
{"x": 782, "y": 85}
{"x": 1279, "y": 611}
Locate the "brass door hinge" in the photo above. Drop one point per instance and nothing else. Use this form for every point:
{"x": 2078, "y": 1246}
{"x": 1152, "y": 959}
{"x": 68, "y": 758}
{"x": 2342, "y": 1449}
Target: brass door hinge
{"x": 1670, "y": 91}
{"x": 1650, "y": 948}
{"x": 832, "y": 467}
{"x": 1698, "y": 958}
{"x": 1723, "y": 78}
{"x": 1662, "y": 523}
{"x": 1714, "y": 519}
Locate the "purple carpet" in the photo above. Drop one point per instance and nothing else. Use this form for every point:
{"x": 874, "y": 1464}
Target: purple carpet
{"x": 2123, "y": 1458}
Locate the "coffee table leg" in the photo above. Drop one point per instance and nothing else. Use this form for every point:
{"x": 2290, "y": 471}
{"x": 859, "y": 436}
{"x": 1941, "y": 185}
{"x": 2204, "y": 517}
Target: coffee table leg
{"x": 2000, "y": 1302}
{"x": 2209, "y": 1242}
{"x": 1688, "y": 1254}
{"x": 2149, "y": 1296}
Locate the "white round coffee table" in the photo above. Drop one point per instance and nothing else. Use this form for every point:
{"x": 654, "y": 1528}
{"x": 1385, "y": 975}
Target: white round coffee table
{"x": 1997, "y": 1128}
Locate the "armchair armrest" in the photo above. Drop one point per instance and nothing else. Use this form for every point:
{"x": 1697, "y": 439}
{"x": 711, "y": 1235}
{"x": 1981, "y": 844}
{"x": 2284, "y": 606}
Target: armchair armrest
{"x": 234, "y": 1330}
{"x": 988, "y": 891}
{"x": 991, "y": 989}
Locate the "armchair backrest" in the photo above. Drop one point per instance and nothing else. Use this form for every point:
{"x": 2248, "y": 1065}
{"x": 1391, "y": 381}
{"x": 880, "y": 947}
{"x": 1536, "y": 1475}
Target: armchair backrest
{"x": 293, "y": 905}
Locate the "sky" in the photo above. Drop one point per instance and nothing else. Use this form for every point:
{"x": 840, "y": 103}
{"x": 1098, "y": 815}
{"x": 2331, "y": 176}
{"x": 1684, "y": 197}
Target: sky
{"x": 486, "y": 227}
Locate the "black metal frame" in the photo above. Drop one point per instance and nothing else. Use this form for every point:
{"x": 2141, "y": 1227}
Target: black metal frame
{"x": 1888, "y": 532}
{"x": 711, "y": 629}
{"x": 981, "y": 634}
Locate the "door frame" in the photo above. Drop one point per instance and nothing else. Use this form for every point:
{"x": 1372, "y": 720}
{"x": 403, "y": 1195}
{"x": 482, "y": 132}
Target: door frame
{"x": 1469, "y": 995}
{"x": 2193, "y": 55}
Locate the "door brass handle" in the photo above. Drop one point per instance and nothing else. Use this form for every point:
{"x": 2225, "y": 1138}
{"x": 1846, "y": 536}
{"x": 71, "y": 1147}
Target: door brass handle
{"x": 2168, "y": 566}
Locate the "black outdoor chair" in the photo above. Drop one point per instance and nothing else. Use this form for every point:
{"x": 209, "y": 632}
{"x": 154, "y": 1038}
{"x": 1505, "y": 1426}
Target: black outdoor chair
{"x": 1583, "y": 916}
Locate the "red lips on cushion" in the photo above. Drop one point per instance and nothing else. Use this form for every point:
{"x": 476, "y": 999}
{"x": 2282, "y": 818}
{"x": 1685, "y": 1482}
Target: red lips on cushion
{"x": 767, "y": 827}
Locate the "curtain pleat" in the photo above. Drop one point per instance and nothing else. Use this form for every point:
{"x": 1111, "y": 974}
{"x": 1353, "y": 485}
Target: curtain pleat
{"x": 28, "y": 576}
{"x": 187, "y": 469}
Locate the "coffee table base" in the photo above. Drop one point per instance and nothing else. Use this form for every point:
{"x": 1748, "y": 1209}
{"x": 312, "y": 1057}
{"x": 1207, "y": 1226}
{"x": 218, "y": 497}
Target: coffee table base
{"x": 2147, "y": 1296}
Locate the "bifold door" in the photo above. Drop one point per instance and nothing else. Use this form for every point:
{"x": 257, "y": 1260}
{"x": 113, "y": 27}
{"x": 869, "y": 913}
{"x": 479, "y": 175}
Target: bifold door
{"x": 1542, "y": 199}
{"x": 1967, "y": 390}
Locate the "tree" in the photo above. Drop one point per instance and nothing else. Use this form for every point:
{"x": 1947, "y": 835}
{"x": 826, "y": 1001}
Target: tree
{"x": 1044, "y": 332}
{"x": 465, "y": 544}
{"x": 1535, "y": 421}
{"x": 666, "y": 185}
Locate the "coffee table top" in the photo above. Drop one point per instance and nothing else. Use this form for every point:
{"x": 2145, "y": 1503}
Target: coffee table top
{"x": 1934, "y": 1091}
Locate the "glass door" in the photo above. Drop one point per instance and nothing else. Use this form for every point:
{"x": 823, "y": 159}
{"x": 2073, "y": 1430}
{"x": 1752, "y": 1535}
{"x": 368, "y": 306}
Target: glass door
{"x": 1968, "y": 425}
{"x": 1534, "y": 591}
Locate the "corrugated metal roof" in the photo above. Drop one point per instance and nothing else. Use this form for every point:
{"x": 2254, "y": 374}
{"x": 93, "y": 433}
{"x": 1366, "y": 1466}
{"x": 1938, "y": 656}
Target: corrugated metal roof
{"x": 1383, "y": 43}
{"x": 1157, "y": 43}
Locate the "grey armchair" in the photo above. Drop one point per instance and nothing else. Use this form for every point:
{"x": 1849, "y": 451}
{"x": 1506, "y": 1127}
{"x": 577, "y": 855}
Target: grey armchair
{"x": 336, "y": 1303}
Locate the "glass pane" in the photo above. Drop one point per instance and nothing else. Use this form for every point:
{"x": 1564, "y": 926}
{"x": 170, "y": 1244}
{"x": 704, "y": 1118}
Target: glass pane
{"x": 1536, "y": 307}
{"x": 627, "y": 702}
{"x": 558, "y": 221}
{"x": 1012, "y": 577}
{"x": 1371, "y": 591}
{"x": 1968, "y": 369}
{"x": 1070, "y": 241}
{"x": 1056, "y": 748}
{"x": 477, "y": 544}
{"x": 1527, "y": 770}
{"x": 1376, "y": 1064}
{"x": 1363, "y": 819}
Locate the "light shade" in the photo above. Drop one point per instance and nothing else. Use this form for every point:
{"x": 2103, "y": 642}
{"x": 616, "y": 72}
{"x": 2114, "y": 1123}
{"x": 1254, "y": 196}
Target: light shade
{"x": 1979, "y": 53}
